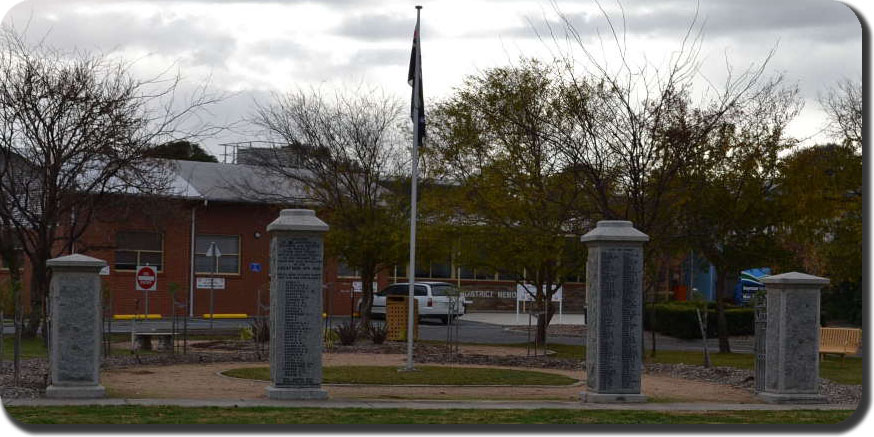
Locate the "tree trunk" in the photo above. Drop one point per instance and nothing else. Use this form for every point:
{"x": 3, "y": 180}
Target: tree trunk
{"x": 721, "y": 321}
{"x": 702, "y": 325}
{"x": 543, "y": 320}
{"x": 367, "y": 275}
{"x": 652, "y": 326}
{"x": 38, "y": 292}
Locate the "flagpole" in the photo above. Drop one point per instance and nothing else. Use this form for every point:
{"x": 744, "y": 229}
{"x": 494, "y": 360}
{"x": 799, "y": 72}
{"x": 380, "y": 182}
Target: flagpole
{"x": 413, "y": 194}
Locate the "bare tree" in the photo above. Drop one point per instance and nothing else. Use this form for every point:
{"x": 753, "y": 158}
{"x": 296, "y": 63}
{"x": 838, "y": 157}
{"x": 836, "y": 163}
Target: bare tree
{"x": 344, "y": 150}
{"x": 9, "y": 255}
{"x": 633, "y": 125}
{"x": 74, "y": 129}
{"x": 843, "y": 104}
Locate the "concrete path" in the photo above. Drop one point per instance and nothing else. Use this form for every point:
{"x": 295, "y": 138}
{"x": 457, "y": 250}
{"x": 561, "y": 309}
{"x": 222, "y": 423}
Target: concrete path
{"x": 421, "y": 405}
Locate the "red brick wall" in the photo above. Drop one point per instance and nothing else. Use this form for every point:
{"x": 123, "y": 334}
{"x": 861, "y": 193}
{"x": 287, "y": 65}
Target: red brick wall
{"x": 173, "y": 219}
{"x": 174, "y": 222}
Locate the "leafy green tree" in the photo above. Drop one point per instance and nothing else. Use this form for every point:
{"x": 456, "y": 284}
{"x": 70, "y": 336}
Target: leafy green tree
{"x": 514, "y": 203}
{"x": 820, "y": 189}
{"x": 182, "y": 150}
{"x": 730, "y": 211}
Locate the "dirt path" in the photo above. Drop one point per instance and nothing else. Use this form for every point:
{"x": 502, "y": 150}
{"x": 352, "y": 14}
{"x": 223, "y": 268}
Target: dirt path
{"x": 202, "y": 381}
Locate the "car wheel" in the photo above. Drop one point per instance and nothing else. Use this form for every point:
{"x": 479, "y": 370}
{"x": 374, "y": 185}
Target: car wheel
{"x": 444, "y": 319}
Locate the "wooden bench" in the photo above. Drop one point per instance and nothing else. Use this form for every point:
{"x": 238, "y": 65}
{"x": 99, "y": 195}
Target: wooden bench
{"x": 839, "y": 341}
{"x": 143, "y": 341}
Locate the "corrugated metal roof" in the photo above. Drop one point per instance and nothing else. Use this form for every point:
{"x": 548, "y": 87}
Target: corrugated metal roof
{"x": 233, "y": 183}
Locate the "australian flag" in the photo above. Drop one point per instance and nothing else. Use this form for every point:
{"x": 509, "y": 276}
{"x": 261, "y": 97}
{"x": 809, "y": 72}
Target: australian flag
{"x": 414, "y": 78}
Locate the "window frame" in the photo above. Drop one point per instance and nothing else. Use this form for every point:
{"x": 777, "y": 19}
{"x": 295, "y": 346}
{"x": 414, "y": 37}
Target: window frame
{"x": 239, "y": 255}
{"x": 137, "y": 251}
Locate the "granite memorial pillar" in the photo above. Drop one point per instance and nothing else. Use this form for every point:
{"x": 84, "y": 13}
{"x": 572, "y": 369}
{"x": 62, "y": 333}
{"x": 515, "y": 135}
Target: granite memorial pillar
{"x": 74, "y": 336}
{"x": 296, "y": 257}
{"x": 792, "y": 339}
{"x": 614, "y": 276}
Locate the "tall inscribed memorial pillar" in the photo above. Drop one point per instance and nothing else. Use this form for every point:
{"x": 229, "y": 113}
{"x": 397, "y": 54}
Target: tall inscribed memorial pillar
{"x": 296, "y": 260}
{"x": 614, "y": 276}
{"x": 74, "y": 360}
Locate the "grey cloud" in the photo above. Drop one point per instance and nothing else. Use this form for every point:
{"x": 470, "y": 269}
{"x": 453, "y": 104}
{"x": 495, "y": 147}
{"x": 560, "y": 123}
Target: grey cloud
{"x": 279, "y": 47}
{"x": 378, "y": 57}
{"x": 110, "y": 31}
{"x": 810, "y": 19}
{"x": 382, "y": 27}
{"x": 332, "y": 3}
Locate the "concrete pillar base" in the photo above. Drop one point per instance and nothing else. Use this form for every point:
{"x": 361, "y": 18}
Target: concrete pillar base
{"x": 75, "y": 392}
{"x": 792, "y": 398}
{"x": 611, "y": 398}
{"x": 296, "y": 393}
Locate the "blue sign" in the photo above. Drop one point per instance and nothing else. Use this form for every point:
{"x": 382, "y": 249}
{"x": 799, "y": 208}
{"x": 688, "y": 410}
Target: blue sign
{"x": 255, "y": 267}
{"x": 749, "y": 284}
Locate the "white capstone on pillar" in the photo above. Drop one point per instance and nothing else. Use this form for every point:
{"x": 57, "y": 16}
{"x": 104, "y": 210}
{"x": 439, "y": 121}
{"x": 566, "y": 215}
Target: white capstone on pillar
{"x": 296, "y": 259}
{"x": 792, "y": 339}
{"x": 74, "y": 340}
{"x": 614, "y": 276}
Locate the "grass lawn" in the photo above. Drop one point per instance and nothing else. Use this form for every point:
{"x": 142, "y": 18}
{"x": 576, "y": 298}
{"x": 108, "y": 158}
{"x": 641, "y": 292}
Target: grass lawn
{"x": 30, "y": 348}
{"x": 429, "y": 375}
{"x": 848, "y": 372}
{"x": 33, "y": 348}
{"x": 214, "y": 415}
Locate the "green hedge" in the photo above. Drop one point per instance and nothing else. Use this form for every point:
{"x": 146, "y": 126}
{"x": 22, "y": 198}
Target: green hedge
{"x": 678, "y": 319}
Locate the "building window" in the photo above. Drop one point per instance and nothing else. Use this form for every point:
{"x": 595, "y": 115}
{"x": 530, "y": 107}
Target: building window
{"x": 139, "y": 248}
{"x": 344, "y": 271}
{"x": 19, "y": 260}
{"x": 504, "y": 275}
{"x": 228, "y": 262}
{"x": 485, "y": 273}
{"x": 466, "y": 272}
{"x": 441, "y": 270}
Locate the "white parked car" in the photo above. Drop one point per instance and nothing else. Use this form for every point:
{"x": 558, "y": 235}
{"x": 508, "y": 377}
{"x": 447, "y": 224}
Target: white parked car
{"x": 434, "y": 299}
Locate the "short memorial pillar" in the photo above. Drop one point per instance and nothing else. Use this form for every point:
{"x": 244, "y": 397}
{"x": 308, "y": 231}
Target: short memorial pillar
{"x": 614, "y": 275}
{"x": 74, "y": 360}
{"x": 792, "y": 339}
{"x": 296, "y": 255}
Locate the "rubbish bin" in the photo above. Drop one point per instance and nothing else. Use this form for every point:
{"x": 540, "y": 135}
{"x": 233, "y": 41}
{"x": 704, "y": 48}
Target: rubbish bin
{"x": 396, "y": 311}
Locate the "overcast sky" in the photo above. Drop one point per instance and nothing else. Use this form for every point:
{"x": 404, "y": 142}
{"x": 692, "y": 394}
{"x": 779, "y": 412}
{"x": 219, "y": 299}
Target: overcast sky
{"x": 253, "y": 48}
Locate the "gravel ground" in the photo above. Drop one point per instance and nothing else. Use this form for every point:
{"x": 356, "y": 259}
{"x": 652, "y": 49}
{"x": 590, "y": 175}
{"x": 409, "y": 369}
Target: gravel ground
{"x": 34, "y": 371}
{"x": 34, "y": 374}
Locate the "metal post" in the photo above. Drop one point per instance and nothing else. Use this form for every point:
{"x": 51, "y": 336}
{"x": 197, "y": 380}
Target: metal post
{"x": 146, "y": 294}
{"x": 109, "y": 342}
{"x": 413, "y": 194}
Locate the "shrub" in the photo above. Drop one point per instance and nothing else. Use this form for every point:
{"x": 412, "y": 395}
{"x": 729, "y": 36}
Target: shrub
{"x": 347, "y": 333}
{"x": 679, "y": 320}
{"x": 330, "y": 338}
{"x": 377, "y": 333}
{"x": 260, "y": 330}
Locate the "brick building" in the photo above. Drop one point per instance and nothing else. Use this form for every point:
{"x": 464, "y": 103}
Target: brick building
{"x": 208, "y": 203}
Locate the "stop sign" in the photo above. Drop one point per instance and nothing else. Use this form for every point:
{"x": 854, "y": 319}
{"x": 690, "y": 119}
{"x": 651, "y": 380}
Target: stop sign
{"x": 146, "y": 278}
